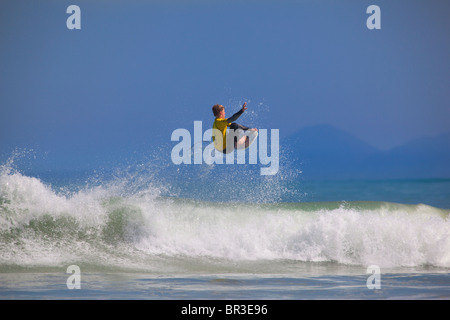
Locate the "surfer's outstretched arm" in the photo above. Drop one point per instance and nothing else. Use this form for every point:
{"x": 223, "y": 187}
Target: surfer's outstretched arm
{"x": 235, "y": 116}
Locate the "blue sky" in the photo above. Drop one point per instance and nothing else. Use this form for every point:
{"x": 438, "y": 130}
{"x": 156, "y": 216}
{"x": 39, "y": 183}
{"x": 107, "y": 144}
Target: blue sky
{"x": 137, "y": 70}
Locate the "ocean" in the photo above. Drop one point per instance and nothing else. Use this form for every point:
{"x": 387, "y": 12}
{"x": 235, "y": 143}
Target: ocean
{"x": 131, "y": 234}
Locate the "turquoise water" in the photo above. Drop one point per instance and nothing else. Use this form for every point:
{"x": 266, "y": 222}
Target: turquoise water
{"x": 136, "y": 236}
{"x": 434, "y": 192}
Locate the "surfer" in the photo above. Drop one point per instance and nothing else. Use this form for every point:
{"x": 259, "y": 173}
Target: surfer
{"x": 221, "y": 124}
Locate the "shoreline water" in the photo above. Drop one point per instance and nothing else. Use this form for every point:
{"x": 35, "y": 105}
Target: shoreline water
{"x": 131, "y": 286}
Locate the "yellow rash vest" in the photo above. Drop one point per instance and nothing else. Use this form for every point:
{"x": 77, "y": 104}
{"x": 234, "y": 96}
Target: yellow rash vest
{"x": 221, "y": 126}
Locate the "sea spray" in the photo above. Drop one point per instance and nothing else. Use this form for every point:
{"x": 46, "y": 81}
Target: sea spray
{"x": 129, "y": 223}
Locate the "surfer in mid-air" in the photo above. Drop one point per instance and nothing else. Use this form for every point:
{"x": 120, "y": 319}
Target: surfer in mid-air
{"x": 237, "y": 140}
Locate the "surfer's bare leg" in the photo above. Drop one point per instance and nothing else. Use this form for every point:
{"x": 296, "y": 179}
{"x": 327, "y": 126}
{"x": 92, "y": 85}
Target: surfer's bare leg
{"x": 245, "y": 140}
{"x": 241, "y": 139}
{"x": 241, "y": 143}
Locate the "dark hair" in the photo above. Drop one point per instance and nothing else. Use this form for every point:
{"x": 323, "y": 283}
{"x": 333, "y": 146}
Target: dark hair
{"x": 216, "y": 109}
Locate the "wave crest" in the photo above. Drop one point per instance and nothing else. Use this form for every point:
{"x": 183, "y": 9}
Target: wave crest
{"x": 118, "y": 225}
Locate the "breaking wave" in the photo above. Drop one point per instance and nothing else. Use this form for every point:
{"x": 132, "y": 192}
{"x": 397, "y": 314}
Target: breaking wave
{"x": 116, "y": 225}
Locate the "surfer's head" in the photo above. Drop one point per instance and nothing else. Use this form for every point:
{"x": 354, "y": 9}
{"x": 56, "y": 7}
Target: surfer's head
{"x": 218, "y": 110}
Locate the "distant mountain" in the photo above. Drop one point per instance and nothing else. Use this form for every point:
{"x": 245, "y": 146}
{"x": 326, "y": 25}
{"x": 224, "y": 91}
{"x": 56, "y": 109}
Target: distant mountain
{"x": 324, "y": 151}
{"x": 427, "y": 157}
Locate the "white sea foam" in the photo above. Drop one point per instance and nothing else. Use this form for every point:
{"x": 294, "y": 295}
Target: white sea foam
{"x": 115, "y": 225}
